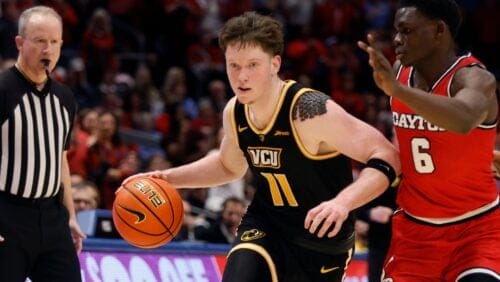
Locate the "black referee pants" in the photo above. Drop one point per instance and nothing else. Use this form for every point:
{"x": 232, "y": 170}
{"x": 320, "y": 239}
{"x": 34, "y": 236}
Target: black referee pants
{"x": 38, "y": 241}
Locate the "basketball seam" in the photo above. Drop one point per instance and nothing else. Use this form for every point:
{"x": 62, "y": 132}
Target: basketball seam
{"x": 152, "y": 213}
{"x": 180, "y": 222}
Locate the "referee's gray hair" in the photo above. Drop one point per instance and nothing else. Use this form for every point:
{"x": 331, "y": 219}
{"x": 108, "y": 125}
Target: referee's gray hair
{"x": 26, "y": 15}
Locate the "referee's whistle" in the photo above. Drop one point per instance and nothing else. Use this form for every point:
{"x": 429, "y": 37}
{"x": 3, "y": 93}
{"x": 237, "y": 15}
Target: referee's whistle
{"x": 46, "y": 63}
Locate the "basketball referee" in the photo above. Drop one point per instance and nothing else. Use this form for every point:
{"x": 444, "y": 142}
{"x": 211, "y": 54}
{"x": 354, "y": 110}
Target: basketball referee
{"x": 40, "y": 236}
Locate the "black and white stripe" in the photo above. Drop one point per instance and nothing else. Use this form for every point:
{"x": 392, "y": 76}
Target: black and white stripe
{"x": 33, "y": 139}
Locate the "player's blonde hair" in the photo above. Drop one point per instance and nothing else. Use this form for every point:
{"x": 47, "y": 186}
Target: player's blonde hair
{"x": 252, "y": 28}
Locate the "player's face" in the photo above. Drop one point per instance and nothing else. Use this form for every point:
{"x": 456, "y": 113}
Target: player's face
{"x": 232, "y": 214}
{"x": 250, "y": 71}
{"x": 107, "y": 126}
{"x": 42, "y": 40}
{"x": 414, "y": 38}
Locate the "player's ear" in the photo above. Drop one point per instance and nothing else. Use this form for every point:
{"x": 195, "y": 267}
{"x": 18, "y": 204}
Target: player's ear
{"x": 440, "y": 28}
{"x": 276, "y": 62}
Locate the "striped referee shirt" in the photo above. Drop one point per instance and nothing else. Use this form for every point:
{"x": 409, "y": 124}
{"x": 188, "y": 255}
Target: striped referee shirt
{"x": 35, "y": 131}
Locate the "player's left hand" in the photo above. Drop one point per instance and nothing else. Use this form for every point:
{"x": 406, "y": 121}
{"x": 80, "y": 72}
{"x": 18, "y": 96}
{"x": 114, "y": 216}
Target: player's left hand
{"x": 77, "y": 235}
{"x": 326, "y": 215}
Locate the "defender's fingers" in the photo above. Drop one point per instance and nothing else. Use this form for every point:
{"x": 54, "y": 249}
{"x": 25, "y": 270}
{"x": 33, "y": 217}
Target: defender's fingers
{"x": 363, "y": 46}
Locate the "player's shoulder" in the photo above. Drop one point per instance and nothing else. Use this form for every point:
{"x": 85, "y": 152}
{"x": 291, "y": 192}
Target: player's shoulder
{"x": 309, "y": 104}
{"x": 475, "y": 70}
{"x": 229, "y": 107}
{"x": 474, "y": 74}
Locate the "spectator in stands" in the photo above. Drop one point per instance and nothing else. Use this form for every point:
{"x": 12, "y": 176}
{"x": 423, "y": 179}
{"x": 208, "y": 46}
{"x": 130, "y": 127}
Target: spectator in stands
{"x": 207, "y": 121}
{"x": 84, "y": 134}
{"x": 223, "y": 229}
{"x": 76, "y": 178}
{"x": 348, "y": 97}
{"x": 376, "y": 216}
{"x": 218, "y": 94}
{"x": 339, "y": 18}
{"x": 76, "y": 78}
{"x": 157, "y": 162}
{"x": 85, "y": 196}
{"x": 70, "y": 20}
{"x": 190, "y": 220}
{"x": 205, "y": 59}
{"x": 110, "y": 160}
{"x": 147, "y": 90}
{"x": 175, "y": 92}
{"x": 8, "y": 29}
{"x": 98, "y": 46}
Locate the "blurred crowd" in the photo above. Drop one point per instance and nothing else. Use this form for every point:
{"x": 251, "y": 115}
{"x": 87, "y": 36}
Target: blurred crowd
{"x": 150, "y": 84}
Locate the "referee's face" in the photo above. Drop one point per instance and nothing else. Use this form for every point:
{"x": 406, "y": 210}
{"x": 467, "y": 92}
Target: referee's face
{"x": 41, "y": 41}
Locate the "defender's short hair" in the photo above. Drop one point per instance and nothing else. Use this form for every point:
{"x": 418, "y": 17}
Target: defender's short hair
{"x": 446, "y": 10}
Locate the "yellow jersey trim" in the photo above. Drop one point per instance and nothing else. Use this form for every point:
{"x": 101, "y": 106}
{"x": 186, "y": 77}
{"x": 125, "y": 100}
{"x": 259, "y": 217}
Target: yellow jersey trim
{"x": 232, "y": 119}
{"x": 270, "y": 125}
{"x": 261, "y": 251}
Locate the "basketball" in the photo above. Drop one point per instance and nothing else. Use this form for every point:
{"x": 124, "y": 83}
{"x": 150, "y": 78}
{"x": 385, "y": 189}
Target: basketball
{"x": 148, "y": 212}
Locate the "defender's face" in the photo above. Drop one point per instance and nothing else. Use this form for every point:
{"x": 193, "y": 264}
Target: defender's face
{"x": 250, "y": 71}
{"x": 42, "y": 40}
{"x": 414, "y": 38}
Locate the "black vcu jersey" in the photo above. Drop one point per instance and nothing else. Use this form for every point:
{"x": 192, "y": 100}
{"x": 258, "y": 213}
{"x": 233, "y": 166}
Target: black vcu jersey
{"x": 35, "y": 130}
{"x": 290, "y": 181}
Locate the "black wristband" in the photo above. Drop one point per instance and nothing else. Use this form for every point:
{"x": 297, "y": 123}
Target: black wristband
{"x": 383, "y": 167}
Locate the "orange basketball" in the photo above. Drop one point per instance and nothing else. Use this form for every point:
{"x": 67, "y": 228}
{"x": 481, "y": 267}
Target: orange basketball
{"x": 148, "y": 212}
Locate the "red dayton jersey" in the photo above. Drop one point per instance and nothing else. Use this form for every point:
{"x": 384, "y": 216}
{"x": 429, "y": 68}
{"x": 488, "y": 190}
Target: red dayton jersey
{"x": 445, "y": 174}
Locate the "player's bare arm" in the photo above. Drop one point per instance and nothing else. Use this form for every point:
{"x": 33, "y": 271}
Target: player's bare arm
{"x": 223, "y": 166}
{"x": 226, "y": 165}
{"x": 472, "y": 100}
{"x": 324, "y": 127}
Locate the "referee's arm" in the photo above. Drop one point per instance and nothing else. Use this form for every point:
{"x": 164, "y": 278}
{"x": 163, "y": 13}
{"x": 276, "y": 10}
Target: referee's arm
{"x": 76, "y": 232}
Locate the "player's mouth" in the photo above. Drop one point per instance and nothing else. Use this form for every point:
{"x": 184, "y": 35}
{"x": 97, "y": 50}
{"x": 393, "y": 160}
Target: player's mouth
{"x": 399, "y": 54}
{"x": 244, "y": 89}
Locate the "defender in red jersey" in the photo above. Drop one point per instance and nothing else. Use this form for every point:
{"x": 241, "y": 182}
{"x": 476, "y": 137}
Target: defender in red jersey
{"x": 445, "y": 116}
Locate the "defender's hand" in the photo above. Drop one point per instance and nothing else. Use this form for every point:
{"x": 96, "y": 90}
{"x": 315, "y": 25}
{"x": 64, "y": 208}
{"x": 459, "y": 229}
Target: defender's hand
{"x": 383, "y": 73}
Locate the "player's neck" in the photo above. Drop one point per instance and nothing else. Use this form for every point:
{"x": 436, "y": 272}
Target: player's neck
{"x": 430, "y": 71}
{"x": 262, "y": 111}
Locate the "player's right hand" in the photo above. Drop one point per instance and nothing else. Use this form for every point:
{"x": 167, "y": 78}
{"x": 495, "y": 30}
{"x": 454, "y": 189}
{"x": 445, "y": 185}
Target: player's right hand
{"x": 383, "y": 73}
{"x": 326, "y": 218}
{"x": 156, "y": 174}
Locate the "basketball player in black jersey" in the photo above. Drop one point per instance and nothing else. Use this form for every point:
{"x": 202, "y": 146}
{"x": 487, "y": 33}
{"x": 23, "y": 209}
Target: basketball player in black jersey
{"x": 298, "y": 143}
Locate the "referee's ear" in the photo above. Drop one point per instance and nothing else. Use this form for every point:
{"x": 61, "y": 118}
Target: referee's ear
{"x": 19, "y": 42}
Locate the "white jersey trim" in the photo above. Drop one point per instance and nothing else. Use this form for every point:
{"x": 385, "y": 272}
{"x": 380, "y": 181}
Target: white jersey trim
{"x": 478, "y": 270}
{"x": 439, "y": 221}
